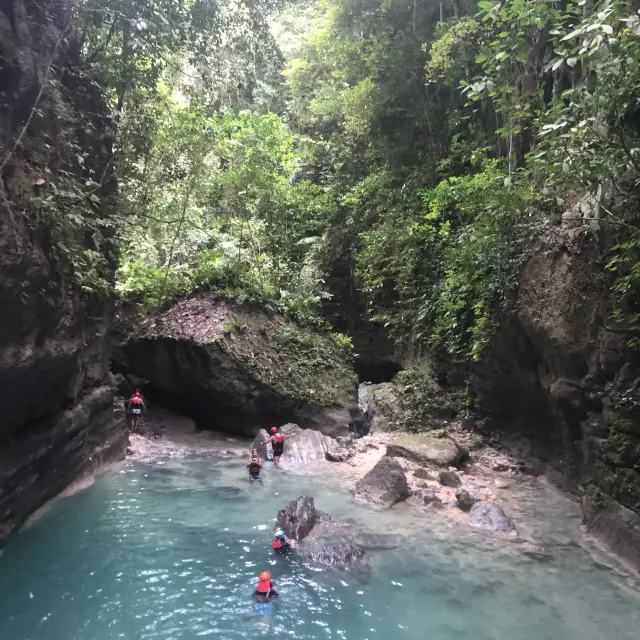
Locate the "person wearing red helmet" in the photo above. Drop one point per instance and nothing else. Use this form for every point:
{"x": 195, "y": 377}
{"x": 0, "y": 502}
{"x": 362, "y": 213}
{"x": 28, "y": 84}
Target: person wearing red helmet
{"x": 265, "y": 590}
{"x": 277, "y": 442}
{"x": 136, "y": 407}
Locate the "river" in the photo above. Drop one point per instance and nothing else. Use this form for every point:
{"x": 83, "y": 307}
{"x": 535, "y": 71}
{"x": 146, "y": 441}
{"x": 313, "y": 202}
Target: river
{"x": 171, "y": 549}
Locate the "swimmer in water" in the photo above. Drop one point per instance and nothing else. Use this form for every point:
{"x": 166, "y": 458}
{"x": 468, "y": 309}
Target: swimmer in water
{"x": 265, "y": 591}
{"x": 282, "y": 544}
{"x": 255, "y": 465}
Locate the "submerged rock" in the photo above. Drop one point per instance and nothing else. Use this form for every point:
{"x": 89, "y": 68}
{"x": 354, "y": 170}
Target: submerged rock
{"x": 442, "y": 452}
{"x": 378, "y": 541}
{"x": 465, "y": 500}
{"x": 384, "y": 485}
{"x": 491, "y": 517}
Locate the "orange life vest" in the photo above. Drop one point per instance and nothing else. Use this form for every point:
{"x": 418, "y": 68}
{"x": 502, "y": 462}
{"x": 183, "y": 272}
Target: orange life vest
{"x": 264, "y": 587}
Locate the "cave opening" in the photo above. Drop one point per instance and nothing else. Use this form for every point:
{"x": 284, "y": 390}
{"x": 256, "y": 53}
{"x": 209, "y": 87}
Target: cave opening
{"x": 376, "y": 371}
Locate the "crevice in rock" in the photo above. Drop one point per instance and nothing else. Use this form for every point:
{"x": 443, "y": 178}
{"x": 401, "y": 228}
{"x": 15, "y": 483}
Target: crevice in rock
{"x": 376, "y": 372}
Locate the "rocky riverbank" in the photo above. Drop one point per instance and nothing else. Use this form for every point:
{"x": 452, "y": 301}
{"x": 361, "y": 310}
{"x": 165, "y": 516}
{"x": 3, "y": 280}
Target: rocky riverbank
{"x": 487, "y": 494}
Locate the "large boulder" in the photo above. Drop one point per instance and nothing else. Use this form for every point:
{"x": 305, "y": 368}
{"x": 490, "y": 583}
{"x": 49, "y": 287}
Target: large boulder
{"x": 384, "y": 485}
{"x": 491, "y": 517}
{"x": 449, "y": 478}
{"x": 428, "y": 450}
{"x": 324, "y": 541}
{"x": 237, "y": 368}
{"x": 307, "y": 446}
{"x": 413, "y": 401}
{"x": 298, "y": 518}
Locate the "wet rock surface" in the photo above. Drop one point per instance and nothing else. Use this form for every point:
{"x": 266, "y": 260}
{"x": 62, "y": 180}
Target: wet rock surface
{"x": 384, "y": 485}
{"x": 490, "y": 517}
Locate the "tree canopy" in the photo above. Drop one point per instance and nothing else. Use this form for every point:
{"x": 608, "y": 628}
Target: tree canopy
{"x": 258, "y": 143}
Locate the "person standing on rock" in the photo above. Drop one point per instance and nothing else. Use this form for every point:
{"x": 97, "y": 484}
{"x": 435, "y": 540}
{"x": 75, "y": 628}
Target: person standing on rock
{"x": 277, "y": 441}
{"x": 136, "y": 407}
{"x": 255, "y": 465}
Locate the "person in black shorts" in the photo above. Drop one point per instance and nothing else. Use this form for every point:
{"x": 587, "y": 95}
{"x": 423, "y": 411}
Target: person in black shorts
{"x": 255, "y": 465}
{"x": 277, "y": 441}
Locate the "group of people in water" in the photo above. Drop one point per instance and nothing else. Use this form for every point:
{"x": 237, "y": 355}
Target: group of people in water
{"x": 264, "y": 592}
{"x": 256, "y": 462}
{"x": 281, "y": 544}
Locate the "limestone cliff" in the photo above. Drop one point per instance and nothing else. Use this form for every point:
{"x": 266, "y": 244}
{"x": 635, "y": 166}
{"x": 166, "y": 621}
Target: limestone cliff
{"x": 55, "y": 395}
{"x": 559, "y": 372}
{"x": 236, "y": 368}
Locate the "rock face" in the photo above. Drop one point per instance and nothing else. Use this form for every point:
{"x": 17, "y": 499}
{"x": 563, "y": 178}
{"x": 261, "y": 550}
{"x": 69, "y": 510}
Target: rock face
{"x": 298, "y": 518}
{"x": 384, "y": 485}
{"x": 442, "y": 452}
{"x": 559, "y": 372}
{"x": 56, "y": 401}
{"x": 326, "y": 542}
{"x": 308, "y": 445}
{"x": 491, "y": 517}
{"x": 237, "y": 369}
{"x": 413, "y": 401}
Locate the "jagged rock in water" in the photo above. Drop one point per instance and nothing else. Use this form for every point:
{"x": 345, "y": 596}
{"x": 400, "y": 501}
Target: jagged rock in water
{"x": 619, "y": 526}
{"x": 298, "y": 518}
{"x": 56, "y": 413}
{"x": 234, "y": 367}
{"x": 384, "y": 485}
{"x": 324, "y": 541}
{"x": 442, "y": 452}
{"x": 491, "y": 517}
{"x": 465, "y": 500}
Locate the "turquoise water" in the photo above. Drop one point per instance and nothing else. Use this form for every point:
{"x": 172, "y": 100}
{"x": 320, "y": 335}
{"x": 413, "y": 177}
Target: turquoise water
{"x": 172, "y": 551}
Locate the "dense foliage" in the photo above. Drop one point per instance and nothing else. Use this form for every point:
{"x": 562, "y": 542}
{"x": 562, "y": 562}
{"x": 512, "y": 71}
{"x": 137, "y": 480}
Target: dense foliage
{"x": 258, "y": 144}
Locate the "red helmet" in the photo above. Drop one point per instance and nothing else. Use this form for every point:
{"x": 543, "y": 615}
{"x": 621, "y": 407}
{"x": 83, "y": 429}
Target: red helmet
{"x": 265, "y": 576}
{"x": 274, "y": 429}
{"x": 137, "y": 392}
